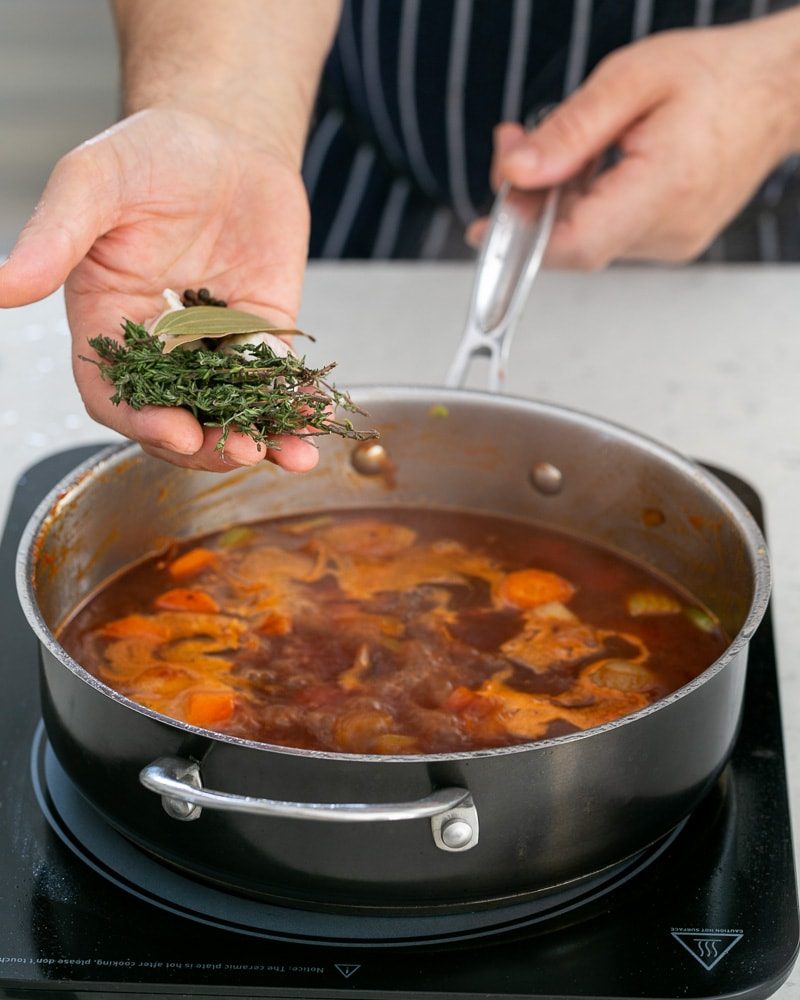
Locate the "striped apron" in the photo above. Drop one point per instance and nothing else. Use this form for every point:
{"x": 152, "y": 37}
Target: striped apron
{"x": 397, "y": 162}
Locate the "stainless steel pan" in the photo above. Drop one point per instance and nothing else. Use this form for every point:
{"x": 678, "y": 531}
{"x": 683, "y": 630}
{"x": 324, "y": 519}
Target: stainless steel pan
{"x": 427, "y": 831}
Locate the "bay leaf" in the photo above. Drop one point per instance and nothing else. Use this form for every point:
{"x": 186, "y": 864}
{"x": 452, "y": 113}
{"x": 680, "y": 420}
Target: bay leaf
{"x": 183, "y": 326}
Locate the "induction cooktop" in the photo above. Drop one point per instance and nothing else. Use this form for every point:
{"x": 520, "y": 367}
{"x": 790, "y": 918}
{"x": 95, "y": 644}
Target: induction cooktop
{"x": 710, "y": 911}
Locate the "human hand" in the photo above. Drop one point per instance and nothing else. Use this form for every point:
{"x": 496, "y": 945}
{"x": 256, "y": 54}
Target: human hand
{"x": 166, "y": 198}
{"x": 699, "y": 117}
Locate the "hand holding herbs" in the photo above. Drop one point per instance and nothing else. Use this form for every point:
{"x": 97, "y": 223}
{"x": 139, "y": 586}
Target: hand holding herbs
{"x": 228, "y": 368}
{"x": 124, "y": 209}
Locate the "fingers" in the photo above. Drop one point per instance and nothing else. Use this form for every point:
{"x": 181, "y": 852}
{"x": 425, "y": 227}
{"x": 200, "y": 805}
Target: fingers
{"x": 205, "y": 460}
{"x": 618, "y": 92}
{"x": 175, "y": 435}
{"x": 602, "y": 217}
{"x": 475, "y": 232}
{"x": 79, "y": 204}
{"x": 295, "y": 455}
{"x": 291, "y": 453}
{"x": 170, "y": 433}
{"x": 609, "y": 220}
{"x": 168, "y": 428}
{"x": 507, "y": 136}
{"x": 510, "y": 136}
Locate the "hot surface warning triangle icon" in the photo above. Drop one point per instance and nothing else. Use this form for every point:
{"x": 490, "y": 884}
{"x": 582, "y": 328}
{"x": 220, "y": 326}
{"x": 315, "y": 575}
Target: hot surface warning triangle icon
{"x": 348, "y": 970}
{"x": 706, "y": 946}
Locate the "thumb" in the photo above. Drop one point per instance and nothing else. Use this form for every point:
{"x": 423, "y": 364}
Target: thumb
{"x": 506, "y": 136}
{"x": 79, "y": 204}
{"x": 584, "y": 126}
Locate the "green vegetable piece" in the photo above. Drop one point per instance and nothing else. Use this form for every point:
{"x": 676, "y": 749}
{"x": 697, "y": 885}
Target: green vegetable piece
{"x": 701, "y": 619}
{"x": 439, "y": 410}
{"x": 235, "y": 536}
{"x": 651, "y": 602}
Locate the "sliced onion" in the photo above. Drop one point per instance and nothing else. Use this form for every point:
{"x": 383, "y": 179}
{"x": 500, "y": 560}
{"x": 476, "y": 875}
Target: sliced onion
{"x": 622, "y": 675}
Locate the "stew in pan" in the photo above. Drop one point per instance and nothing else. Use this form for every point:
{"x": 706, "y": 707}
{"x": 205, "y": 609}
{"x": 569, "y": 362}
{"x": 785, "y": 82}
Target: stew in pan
{"x": 393, "y": 631}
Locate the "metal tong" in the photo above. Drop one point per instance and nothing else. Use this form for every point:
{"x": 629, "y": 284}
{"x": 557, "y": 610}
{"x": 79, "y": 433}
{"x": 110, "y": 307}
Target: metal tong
{"x": 511, "y": 255}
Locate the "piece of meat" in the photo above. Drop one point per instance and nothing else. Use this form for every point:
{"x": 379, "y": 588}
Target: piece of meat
{"x": 548, "y": 643}
{"x": 368, "y": 538}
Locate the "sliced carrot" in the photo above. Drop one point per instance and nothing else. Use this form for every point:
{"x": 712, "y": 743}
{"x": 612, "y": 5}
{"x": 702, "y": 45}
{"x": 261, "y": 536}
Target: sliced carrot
{"x": 207, "y": 708}
{"x": 480, "y": 707}
{"x": 192, "y": 562}
{"x": 275, "y": 623}
{"x": 483, "y": 721}
{"x": 459, "y": 699}
{"x": 529, "y": 587}
{"x": 134, "y": 627}
{"x": 186, "y": 599}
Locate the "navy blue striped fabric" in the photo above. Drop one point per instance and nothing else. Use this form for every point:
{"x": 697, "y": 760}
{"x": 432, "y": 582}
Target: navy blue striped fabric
{"x": 398, "y": 158}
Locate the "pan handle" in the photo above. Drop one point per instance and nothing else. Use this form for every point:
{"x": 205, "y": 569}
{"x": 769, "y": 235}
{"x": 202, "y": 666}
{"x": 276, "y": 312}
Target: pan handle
{"x": 511, "y": 255}
{"x": 454, "y": 819}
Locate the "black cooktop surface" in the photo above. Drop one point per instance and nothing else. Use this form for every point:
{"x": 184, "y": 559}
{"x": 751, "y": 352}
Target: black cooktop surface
{"x": 710, "y": 912}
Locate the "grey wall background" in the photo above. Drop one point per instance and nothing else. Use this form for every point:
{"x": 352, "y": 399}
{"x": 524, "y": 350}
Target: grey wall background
{"x": 58, "y": 86}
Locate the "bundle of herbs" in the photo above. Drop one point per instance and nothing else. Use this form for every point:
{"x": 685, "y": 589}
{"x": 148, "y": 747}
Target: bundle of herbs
{"x": 228, "y": 368}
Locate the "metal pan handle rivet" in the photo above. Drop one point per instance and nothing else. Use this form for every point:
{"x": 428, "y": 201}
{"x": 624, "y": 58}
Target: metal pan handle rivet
{"x": 456, "y": 833}
{"x": 369, "y": 458}
{"x": 458, "y": 829}
{"x": 546, "y": 478}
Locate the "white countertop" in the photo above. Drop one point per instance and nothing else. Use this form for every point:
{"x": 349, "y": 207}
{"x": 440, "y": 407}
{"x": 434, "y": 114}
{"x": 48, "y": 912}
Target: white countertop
{"x": 707, "y": 360}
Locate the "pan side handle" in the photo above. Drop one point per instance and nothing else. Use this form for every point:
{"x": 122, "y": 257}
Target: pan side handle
{"x": 454, "y": 818}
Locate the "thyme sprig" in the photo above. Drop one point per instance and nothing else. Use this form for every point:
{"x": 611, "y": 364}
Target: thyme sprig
{"x": 251, "y": 389}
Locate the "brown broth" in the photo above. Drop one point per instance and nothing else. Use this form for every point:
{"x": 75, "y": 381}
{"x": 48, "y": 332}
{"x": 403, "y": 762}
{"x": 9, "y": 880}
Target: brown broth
{"x": 392, "y": 630}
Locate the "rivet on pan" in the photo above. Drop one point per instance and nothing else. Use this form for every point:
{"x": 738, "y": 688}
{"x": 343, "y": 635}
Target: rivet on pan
{"x": 178, "y": 809}
{"x": 546, "y": 478}
{"x": 369, "y": 458}
{"x": 456, "y": 833}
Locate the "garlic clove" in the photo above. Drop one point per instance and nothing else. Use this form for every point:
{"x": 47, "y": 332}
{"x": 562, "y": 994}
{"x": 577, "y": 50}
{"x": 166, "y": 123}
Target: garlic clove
{"x": 174, "y": 303}
{"x": 280, "y": 347}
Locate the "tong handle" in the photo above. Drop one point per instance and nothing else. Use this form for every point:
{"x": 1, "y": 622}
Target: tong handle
{"x": 511, "y": 255}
